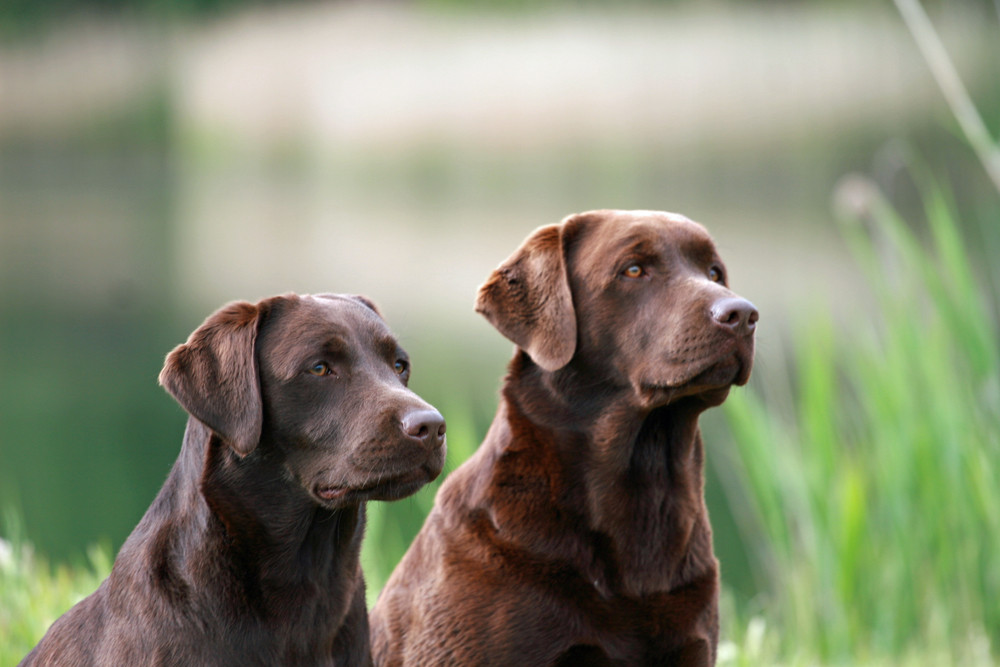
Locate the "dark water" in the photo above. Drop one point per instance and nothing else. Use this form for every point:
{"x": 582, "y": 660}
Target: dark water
{"x": 86, "y": 435}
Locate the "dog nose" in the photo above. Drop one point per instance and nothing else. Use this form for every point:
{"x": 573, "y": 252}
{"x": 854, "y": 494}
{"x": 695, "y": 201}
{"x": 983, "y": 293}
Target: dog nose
{"x": 425, "y": 425}
{"x": 735, "y": 313}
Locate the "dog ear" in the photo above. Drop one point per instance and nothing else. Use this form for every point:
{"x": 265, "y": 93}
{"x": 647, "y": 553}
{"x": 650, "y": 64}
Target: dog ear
{"x": 214, "y": 375}
{"x": 527, "y": 298}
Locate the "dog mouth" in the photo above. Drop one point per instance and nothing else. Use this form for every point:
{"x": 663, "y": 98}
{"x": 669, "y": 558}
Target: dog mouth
{"x": 723, "y": 373}
{"x": 711, "y": 378}
{"x": 389, "y": 487}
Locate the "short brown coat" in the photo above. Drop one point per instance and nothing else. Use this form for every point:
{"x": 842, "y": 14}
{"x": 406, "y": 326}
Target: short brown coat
{"x": 578, "y": 534}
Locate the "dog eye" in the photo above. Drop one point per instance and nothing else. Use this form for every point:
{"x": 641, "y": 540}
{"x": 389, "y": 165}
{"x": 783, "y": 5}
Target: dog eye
{"x": 715, "y": 275}
{"x": 319, "y": 369}
{"x": 401, "y": 366}
{"x": 634, "y": 271}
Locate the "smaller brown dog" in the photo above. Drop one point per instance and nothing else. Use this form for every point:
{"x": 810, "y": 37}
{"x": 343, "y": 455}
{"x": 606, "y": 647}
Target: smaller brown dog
{"x": 577, "y": 534}
{"x": 249, "y": 554}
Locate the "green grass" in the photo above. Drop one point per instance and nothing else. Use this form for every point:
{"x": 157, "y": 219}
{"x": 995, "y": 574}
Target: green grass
{"x": 33, "y": 593}
{"x": 865, "y": 482}
{"x": 871, "y": 501}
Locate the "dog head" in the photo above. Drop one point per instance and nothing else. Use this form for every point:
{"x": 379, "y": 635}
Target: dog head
{"x": 319, "y": 380}
{"x": 638, "y": 298}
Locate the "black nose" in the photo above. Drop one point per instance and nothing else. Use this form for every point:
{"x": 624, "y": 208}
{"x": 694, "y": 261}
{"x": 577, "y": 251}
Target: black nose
{"x": 425, "y": 425}
{"x": 736, "y": 314}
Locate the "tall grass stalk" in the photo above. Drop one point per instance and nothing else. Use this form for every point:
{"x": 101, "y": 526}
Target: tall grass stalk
{"x": 33, "y": 594}
{"x": 873, "y": 499}
{"x": 950, "y": 83}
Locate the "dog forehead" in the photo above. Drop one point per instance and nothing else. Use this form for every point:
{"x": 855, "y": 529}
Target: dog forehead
{"x": 619, "y": 233}
{"x": 309, "y": 323}
{"x": 673, "y": 228}
{"x": 663, "y": 217}
{"x": 340, "y": 314}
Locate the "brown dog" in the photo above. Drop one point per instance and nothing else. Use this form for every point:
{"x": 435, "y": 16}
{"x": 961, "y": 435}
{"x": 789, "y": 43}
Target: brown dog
{"x": 249, "y": 554}
{"x": 578, "y": 534}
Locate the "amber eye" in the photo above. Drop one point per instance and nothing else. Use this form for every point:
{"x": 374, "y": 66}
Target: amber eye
{"x": 401, "y": 366}
{"x": 634, "y": 271}
{"x": 715, "y": 275}
{"x": 319, "y": 369}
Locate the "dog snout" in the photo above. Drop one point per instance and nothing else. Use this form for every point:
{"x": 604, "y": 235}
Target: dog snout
{"x": 425, "y": 425}
{"x": 736, "y": 314}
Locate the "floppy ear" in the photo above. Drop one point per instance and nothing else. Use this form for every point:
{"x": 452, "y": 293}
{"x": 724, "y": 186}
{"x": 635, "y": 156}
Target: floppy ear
{"x": 527, "y": 298}
{"x": 214, "y": 375}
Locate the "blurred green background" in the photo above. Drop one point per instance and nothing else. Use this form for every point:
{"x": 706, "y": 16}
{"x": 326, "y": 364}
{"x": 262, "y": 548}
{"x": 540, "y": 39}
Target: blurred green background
{"x": 158, "y": 159}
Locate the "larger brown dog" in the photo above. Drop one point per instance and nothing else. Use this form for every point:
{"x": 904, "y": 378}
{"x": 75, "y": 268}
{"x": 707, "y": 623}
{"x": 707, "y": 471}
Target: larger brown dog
{"x": 249, "y": 554}
{"x": 578, "y": 534}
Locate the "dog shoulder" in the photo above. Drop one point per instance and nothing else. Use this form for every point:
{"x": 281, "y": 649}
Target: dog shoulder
{"x": 72, "y": 638}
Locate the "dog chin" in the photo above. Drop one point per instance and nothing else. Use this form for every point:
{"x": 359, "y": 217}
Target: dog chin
{"x": 401, "y": 487}
{"x": 719, "y": 375}
{"x": 711, "y": 383}
{"x": 392, "y": 487}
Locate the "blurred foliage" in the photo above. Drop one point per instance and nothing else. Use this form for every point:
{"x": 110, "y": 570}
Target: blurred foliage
{"x": 33, "y": 593}
{"x": 869, "y": 486}
{"x": 145, "y": 125}
{"x": 79, "y": 403}
{"x": 99, "y": 425}
{"x": 24, "y": 18}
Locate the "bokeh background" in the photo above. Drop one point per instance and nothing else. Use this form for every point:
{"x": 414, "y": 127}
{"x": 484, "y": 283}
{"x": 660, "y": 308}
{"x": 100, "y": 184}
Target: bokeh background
{"x": 158, "y": 159}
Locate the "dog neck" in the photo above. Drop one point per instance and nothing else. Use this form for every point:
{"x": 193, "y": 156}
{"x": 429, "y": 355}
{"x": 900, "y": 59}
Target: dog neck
{"x": 638, "y": 471}
{"x": 218, "y": 536}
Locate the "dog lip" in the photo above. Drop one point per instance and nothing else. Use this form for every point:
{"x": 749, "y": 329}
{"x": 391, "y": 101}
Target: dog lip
{"x": 416, "y": 477}
{"x": 332, "y": 492}
{"x": 401, "y": 486}
{"x": 728, "y": 370}
{"x": 709, "y": 376}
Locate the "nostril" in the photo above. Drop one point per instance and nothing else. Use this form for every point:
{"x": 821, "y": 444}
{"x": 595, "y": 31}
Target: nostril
{"x": 425, "y": 425}
{"x": 735, "y": 313}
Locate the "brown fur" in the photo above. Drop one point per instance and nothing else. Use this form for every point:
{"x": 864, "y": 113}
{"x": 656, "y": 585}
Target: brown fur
{"x": 578, "y": 533}
{"x": 249, "y": 553}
